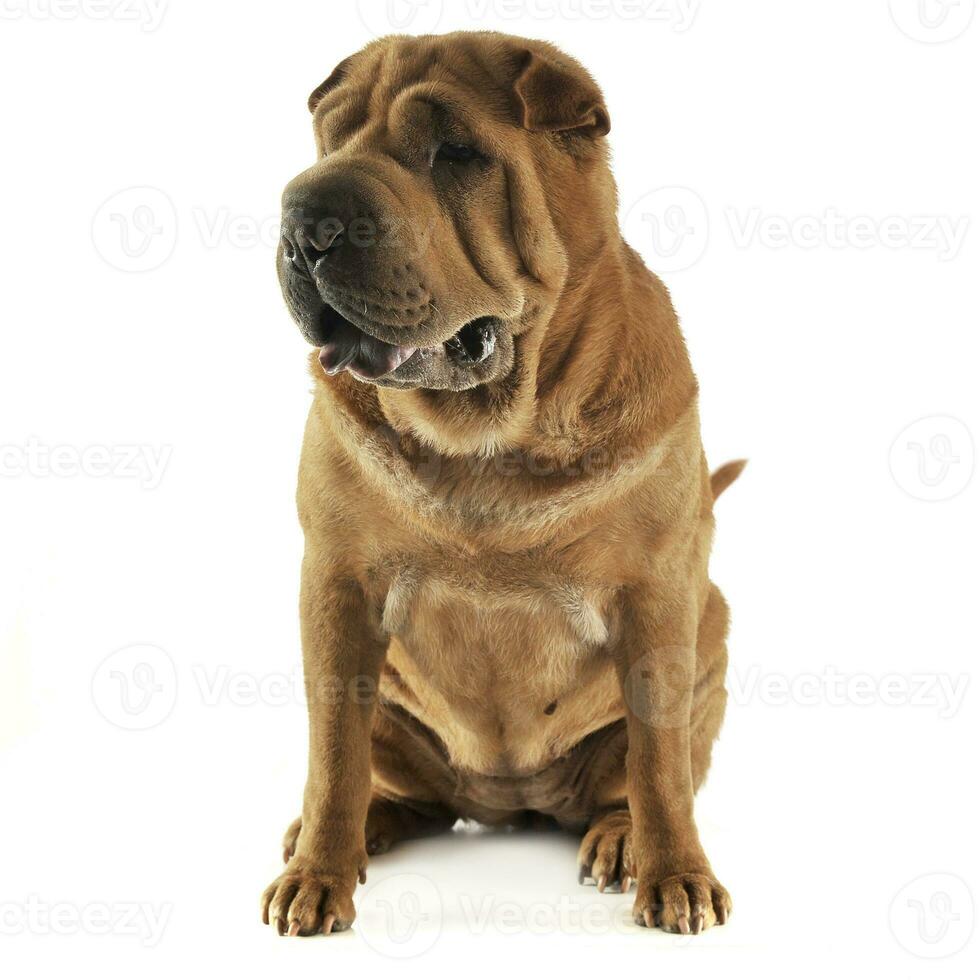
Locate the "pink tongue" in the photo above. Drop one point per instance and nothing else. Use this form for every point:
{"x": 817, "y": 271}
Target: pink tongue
{"x": 360, "y": 353}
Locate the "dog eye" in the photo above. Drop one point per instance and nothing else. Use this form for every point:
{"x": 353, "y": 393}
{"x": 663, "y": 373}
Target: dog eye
{"x": 456, "y": 153}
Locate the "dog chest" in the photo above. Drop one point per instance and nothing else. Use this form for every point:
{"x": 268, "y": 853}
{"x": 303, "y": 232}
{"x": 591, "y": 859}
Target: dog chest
{"x": 572, "y": 609}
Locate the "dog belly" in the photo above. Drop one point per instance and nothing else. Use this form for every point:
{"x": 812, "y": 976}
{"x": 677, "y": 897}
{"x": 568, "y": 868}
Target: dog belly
{"x": 411, "y": 762}
{"x": 507, "y": 691}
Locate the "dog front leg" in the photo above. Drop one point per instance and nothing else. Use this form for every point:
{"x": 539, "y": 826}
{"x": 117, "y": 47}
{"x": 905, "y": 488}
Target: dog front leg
{"x": 342, "y": 659}
{"x": 656, "y": 659}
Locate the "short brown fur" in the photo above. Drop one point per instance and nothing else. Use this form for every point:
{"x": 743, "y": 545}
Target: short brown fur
{"x": 506, "y": 610}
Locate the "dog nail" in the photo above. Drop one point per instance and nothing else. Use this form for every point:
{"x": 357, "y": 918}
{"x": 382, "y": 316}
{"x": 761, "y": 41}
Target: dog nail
{"x": 625, "y": 886}
{"x": 294, "y": 928}
{"x": 601, "y": 883}
{"x": 684, "y": 926}
{"x": 648, "y": 918}
{"x": 328, "y": 924}
{"x": 697, "y": 925}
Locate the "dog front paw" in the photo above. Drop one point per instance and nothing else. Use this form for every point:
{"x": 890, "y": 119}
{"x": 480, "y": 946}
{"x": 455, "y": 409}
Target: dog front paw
{"x": 306, "y": 899}
{"x": 687, "y": 903}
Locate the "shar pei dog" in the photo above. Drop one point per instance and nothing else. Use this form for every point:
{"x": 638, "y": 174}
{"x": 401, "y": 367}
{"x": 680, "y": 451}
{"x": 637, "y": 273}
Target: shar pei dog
{"x": 506, "y": 614}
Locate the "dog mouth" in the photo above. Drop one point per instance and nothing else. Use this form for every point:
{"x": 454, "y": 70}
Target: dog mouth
{"x": 346, "y": 347}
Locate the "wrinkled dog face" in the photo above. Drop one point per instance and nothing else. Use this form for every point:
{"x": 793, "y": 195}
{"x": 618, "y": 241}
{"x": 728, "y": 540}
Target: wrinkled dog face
{"x": 411, "y": 248}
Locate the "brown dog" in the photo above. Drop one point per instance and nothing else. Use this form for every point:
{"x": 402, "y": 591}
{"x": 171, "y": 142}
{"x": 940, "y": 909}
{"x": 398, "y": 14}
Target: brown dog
{"x": 506, "y": 610}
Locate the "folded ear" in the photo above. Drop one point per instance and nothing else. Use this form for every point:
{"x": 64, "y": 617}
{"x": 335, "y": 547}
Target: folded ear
{"x": 330, "y": 82}
{"x": 554, "y": 97}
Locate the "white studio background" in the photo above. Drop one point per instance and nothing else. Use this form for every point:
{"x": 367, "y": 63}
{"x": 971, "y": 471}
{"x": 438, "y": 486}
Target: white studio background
{"x": 804, "y": 177}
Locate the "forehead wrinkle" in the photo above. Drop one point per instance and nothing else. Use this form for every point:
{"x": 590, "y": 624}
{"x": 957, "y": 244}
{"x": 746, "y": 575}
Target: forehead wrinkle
{"x": 345, "y": 117}
{"x": 445, "y": 99}
{"x": 486, "y": 88}
{"x": 464, "y": 81}
{"x": 396, "y": 69}
{"x": 356, "y": 81}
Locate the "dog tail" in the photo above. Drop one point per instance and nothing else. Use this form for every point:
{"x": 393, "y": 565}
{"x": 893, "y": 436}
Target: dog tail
{"x": 725, "y": 476}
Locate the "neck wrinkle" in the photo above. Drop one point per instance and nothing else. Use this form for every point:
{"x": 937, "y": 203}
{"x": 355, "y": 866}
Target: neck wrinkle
{"x": 579, "y": 352}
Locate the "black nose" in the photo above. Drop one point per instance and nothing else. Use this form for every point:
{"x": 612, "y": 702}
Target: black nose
{"x": 309, "y": 235}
